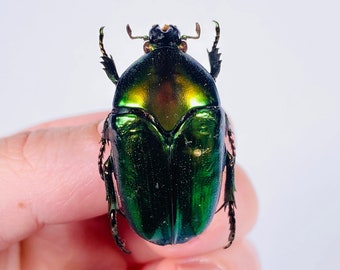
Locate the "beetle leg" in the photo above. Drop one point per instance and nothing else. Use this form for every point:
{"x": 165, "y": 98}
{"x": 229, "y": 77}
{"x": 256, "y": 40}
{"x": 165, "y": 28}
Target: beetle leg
{"x": 229, "y": 188}
{"x": 112, "y": 202}
{"x": 230, "y": 135}
{"x": 229, "y": 198}
{"x": 214, "y": 55}
{"x": 230, "y": 184}
{"x": 105, "y": 171}
{"x": 103, "y": 142}
{"x": 108, "y": 63}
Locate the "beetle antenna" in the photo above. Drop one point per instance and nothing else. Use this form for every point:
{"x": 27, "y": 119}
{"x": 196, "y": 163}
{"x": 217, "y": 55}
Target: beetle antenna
{"x": 101, "y": 44}
{"x": 129, "y": 31}
{"x": 198, "y": 31}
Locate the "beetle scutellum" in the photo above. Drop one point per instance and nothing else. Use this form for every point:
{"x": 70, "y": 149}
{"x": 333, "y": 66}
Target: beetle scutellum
{"x": 167, "y": 134}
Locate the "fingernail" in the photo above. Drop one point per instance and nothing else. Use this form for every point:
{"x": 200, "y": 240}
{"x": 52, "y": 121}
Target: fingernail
{"x": 198, "y": 266}
{"x": 100, "y": 127}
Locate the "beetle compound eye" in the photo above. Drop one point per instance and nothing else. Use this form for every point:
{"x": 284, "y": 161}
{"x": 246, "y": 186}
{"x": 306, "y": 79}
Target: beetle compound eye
{"x": 183, "y": 46}
{"x": 167, "y": 134}
{"x": 147, "y": 47}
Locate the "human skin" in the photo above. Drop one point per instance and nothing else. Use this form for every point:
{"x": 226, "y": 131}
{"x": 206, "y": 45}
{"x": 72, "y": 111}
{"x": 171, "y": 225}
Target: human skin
{"x": 53, "y": 209}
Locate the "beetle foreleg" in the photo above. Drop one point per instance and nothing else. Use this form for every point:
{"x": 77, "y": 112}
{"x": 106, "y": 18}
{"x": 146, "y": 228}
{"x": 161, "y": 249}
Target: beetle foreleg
{"x": 108, "y": 63}
{"x": 214, "y": 55}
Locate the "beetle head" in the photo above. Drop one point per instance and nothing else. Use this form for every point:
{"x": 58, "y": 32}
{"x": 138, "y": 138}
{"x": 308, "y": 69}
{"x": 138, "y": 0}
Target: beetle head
{"x": 167, "y": 36}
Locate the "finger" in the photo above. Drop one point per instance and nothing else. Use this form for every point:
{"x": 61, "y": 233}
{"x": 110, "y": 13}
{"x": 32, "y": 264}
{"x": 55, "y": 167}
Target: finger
{"x": 50, "y": 177}
{"x": 72, "y": 121}
{"x": 243, "y": 257}
{"x": 77, "y": 245}
{"x": 88, "y": 247}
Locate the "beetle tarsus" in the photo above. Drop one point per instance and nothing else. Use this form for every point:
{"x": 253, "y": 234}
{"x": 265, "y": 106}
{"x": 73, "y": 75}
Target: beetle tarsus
{"x": 232, "y": 224}
{"x": 229, "y": 199}
{"x": 114, "y": 230}
{"x": 112, "y": 204}
{"x": 101, "y": 44}
{"x": 214, "y": 55}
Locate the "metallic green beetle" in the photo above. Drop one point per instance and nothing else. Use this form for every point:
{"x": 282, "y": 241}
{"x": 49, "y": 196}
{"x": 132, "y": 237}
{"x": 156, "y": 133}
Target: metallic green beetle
{"x": 167, "y": 134}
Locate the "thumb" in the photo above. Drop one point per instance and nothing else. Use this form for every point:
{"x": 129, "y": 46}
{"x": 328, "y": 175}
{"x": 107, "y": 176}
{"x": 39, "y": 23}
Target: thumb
{"x": 48, "y": 176}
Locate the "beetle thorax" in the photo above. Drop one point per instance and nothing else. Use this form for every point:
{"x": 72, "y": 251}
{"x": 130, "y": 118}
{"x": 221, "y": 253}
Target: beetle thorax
{"x": 166, "y": 84}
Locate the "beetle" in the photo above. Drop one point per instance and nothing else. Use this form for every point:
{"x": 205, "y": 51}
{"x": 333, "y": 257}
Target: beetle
{"x": 167, "y": 133}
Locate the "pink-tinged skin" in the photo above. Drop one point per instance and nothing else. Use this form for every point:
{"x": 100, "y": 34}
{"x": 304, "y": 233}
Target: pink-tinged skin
{"x": 53, "y": 209}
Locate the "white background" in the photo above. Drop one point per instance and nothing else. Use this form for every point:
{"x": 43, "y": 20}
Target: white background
{"x": 279, "y": 83}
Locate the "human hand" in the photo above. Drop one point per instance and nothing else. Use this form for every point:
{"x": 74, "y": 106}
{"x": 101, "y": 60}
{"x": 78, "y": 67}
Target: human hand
{"x": 53, "y": 210}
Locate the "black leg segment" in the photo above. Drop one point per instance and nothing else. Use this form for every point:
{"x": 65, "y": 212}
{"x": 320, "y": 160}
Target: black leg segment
{"x": 229, "y": 188}
{"x": 214, "y": 55}
{"x": 106, "y": 170}
{"x": 108, "y": 63}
